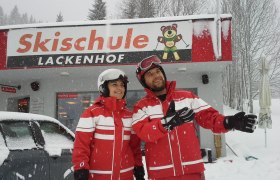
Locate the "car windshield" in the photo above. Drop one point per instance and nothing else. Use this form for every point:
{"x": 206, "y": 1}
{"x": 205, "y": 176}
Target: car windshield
{"x": 18, "y": 135}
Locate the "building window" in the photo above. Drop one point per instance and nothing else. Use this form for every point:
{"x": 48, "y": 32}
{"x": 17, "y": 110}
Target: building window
{"x": 71, "y": 105}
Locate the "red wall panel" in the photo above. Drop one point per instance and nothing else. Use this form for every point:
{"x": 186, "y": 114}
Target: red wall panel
{"x": 3, "y": 49}
{"x": 202, "y": 48}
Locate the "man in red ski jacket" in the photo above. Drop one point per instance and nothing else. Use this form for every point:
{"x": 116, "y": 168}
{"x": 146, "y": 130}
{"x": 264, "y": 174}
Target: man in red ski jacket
{"x": 164, "y": 119}
{"x": 105, "y": 146}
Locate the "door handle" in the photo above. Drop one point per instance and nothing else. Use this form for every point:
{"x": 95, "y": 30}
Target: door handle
{"x": 54, "y": 157}
{"x": 6, "y": 160}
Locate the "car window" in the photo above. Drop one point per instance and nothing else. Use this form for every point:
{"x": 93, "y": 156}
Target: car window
{"x": 3, "y": 149}
{"x": 56, "y": 136}
{"x": 2, "y": 141}
{"x": 18, "y": 135}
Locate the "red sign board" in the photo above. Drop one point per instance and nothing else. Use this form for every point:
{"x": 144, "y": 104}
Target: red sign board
{"x": 8, "y": 89}
{"x": 67, "y": 95}
{"x": 23, "y": 102}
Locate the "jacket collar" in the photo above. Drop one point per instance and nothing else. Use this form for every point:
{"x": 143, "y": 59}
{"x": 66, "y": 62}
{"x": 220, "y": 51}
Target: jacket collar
{"x": 111, "y": 103}
{"x": 170, "y": 88}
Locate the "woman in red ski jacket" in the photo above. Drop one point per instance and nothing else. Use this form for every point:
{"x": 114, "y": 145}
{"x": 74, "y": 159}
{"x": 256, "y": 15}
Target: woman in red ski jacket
{"x": 105, "y": 146}
{"x": 164, "y": 119}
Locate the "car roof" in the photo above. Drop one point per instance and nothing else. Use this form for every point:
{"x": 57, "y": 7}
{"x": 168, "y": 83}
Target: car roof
{"x": 17, "y": 116}
{"x": 5, "y": 115}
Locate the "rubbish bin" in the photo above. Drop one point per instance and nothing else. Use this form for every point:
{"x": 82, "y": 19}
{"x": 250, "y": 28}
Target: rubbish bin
{"x": 206, "y": 154}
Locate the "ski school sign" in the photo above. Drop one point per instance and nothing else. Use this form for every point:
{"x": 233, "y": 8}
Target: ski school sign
{"x": 104, "y": 44}
{"x": 95, "y": 45}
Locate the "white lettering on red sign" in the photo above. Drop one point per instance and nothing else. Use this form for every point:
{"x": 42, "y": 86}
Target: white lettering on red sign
{"x": 66, "y": 96}
{"x": 8, "y": 89}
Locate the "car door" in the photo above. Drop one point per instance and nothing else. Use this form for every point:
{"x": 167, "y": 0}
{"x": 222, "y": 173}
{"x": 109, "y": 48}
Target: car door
{"x": 25, "y": 159}
{"x": 59, "y": 145}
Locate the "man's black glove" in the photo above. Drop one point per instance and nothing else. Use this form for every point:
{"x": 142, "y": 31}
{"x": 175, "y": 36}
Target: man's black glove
{"x": 241, "y": 122}
{"x": 139, "y": 172}
{"x": 175, "y": 118}
{"x": 81, "y": 174}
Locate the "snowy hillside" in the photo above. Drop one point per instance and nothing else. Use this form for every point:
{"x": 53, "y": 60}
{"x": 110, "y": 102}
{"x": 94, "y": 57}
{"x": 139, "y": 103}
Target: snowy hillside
{"x": 267, "y": 165}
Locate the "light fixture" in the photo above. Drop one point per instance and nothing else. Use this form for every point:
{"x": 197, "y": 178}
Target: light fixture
{"x": 64, "y": 73}
{"x": 85, "y": 101}
{"x": 205, "y": 79}
{"x": 181, "y": 69}
{"x": 71, "y": 102}
{"x": 35, "y": 86}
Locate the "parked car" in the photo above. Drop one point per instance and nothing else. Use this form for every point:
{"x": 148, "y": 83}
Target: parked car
{"x": 34, "y": 147}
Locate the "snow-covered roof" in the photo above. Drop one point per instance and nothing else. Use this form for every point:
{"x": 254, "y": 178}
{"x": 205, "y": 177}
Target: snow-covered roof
{"x": 115, "y": 21}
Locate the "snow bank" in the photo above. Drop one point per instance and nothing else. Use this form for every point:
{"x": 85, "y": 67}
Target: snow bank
{"x": 266, "y": 166}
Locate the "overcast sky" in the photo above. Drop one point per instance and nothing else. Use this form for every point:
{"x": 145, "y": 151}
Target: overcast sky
{"x": 47, "y": 10}
{"x": 72, "y": 10}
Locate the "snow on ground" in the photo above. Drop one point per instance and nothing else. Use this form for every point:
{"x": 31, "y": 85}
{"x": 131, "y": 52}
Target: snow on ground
{"x": 231, "y": 167}
{"x": 267, "y": 166}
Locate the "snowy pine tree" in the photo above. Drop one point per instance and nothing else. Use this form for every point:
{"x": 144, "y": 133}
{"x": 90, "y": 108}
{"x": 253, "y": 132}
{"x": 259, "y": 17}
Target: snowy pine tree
{"x": 183, "y": 7}
{"x": 255, "y": 31}
{"x": 2, "y": 17}
{"x": 98, "y": 11}
{"x": 24, "y": 19}
{"x": 129, "y": 10}
{"x": 146, "y": 9}
{"x": 32, "y": 20}
{"x": 15, "y": 17}
{"x": 59, "y": 17}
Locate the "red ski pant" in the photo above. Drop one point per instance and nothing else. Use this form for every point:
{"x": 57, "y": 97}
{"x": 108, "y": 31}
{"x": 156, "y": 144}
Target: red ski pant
{"x": 107, "y": 177}
{"x": 197, "y": 176}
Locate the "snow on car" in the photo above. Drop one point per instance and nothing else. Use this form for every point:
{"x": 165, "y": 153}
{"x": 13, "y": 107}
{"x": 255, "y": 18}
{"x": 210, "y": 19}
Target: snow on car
{"x": 34, "y": 146}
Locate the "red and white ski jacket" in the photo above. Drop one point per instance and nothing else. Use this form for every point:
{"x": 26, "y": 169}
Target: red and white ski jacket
{"x": 104, "y": 141}
{"x": 177, "y": 152}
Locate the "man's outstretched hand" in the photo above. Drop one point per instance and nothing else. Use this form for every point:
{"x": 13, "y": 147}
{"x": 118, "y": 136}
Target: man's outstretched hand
{"x": 240, "y": 121}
